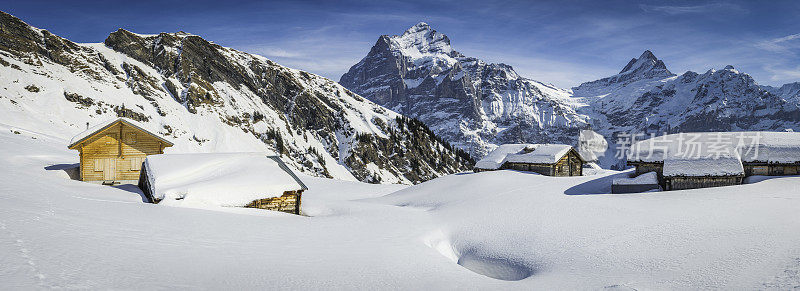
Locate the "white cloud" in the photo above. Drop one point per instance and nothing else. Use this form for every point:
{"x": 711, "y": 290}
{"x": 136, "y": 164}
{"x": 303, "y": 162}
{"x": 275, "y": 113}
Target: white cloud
{"x": 680, "y": 10}
{"x": 276, "y": 52}
{"x": 784, "y": 44}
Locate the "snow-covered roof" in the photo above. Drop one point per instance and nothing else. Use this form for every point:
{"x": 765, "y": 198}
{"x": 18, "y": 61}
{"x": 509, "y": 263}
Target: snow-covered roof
{"x": 523, "y": 153}
{"x": 78, "y": 138}
{"x": 495, "y": 159}
{"x": 649, "y": 178}
{"x": 541, "y": 154}
{"x": 752, "y": 146}
{"x": 222, "y": 179}
{"x": 727, "y": 165}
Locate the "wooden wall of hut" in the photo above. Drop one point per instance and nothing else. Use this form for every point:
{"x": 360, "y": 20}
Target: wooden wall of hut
{"x": 289, "y": 202}
{"x": 681, "y": 183}
{"x": 765, "y": 169}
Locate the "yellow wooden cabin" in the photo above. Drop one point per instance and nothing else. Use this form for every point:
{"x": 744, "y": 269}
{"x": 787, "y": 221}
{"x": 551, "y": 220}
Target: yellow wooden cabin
{"x": 115, "y": 150}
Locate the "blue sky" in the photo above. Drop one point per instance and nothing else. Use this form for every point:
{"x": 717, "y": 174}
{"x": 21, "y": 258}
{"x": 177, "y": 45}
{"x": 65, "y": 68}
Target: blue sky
{"x": 561, "y": 42}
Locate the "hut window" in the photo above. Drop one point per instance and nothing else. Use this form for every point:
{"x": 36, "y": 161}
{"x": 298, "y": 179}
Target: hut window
{"x": 98, "y": 165}
{"x": 132, "y": 137}
{"x": 136, "y": 164}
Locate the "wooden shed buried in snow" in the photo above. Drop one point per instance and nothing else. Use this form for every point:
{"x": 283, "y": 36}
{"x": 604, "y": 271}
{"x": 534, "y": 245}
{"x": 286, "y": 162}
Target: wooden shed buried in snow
{"x": 114, "y": 150}
{"x": 253, "y": 180}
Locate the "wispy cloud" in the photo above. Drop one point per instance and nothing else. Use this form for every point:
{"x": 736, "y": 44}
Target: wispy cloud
{"x": 695, "y": 9}
{"x": 276, "y": 52}
{"x": 787, "y": 44}
{"x": 783, "y": 73}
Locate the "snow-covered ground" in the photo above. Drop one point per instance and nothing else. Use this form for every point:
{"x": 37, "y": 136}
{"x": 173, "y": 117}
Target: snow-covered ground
{"x": 457, "y": 232}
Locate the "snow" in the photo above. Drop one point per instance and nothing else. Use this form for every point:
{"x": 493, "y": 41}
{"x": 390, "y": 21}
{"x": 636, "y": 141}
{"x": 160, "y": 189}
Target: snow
{"x": 423, "y": 45}
{"x": 490, "y": 230}
{"x": 649, "y": 178}
{"x": 523, "y": 153}
{"x": 94, "y": 129}
{"x": 219, "y": 179}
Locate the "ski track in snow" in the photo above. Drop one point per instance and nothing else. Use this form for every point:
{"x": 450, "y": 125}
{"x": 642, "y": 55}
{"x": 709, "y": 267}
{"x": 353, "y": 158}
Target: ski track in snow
{"x": 22, "y": 252}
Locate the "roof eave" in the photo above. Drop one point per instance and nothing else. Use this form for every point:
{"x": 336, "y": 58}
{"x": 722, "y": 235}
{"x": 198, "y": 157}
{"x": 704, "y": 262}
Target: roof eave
{"x": 78, "y": 142}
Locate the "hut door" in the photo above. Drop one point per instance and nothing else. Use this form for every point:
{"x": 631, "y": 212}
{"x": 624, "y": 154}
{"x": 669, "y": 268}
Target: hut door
{"x": 109, "y": 169}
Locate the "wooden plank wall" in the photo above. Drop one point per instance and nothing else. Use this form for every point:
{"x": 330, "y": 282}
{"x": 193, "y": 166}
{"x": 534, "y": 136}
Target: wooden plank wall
{"x": 680, "y": 183}
{"x": 135, "y": 145}
{"x": 289, "y": 202}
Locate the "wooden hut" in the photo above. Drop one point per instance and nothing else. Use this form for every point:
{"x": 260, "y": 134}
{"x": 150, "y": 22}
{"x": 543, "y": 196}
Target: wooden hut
{"x": 252, "y": 180}
{"x": 545, "y": 159}
{"x": 114, "y": 150}
{"x": 710, "y": 159}
{"x": 702, "y": 172}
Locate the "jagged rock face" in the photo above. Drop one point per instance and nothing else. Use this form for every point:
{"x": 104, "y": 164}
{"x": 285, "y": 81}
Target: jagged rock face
{"x": 210, "y": 98}
{"x": 472, "y": 104}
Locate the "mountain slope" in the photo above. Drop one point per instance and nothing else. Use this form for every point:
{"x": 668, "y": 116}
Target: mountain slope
{"x": 206, "y": 97}
{"x": 472, "y": 104}
{"x": 654, "y": 101}
{"x": 789, "y": 92}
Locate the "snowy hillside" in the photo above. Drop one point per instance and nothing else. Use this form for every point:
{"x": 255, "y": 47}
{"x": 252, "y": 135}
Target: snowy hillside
{"x": 208, "y": 98}
{"x": 492, "y": 230}
{"x": 472, "y": 104}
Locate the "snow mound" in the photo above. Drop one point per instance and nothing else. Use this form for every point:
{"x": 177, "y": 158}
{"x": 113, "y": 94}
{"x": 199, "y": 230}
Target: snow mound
{"x": 218, "y": 179}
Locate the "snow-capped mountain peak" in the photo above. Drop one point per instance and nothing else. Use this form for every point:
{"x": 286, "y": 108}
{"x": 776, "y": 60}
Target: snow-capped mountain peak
{"x": 647, "y": 68}
{"x": 419, "y": 27}
{"x": 647, "y": 62}
{"x": 473, "y": 104}
{"x": 421, "y": 42}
